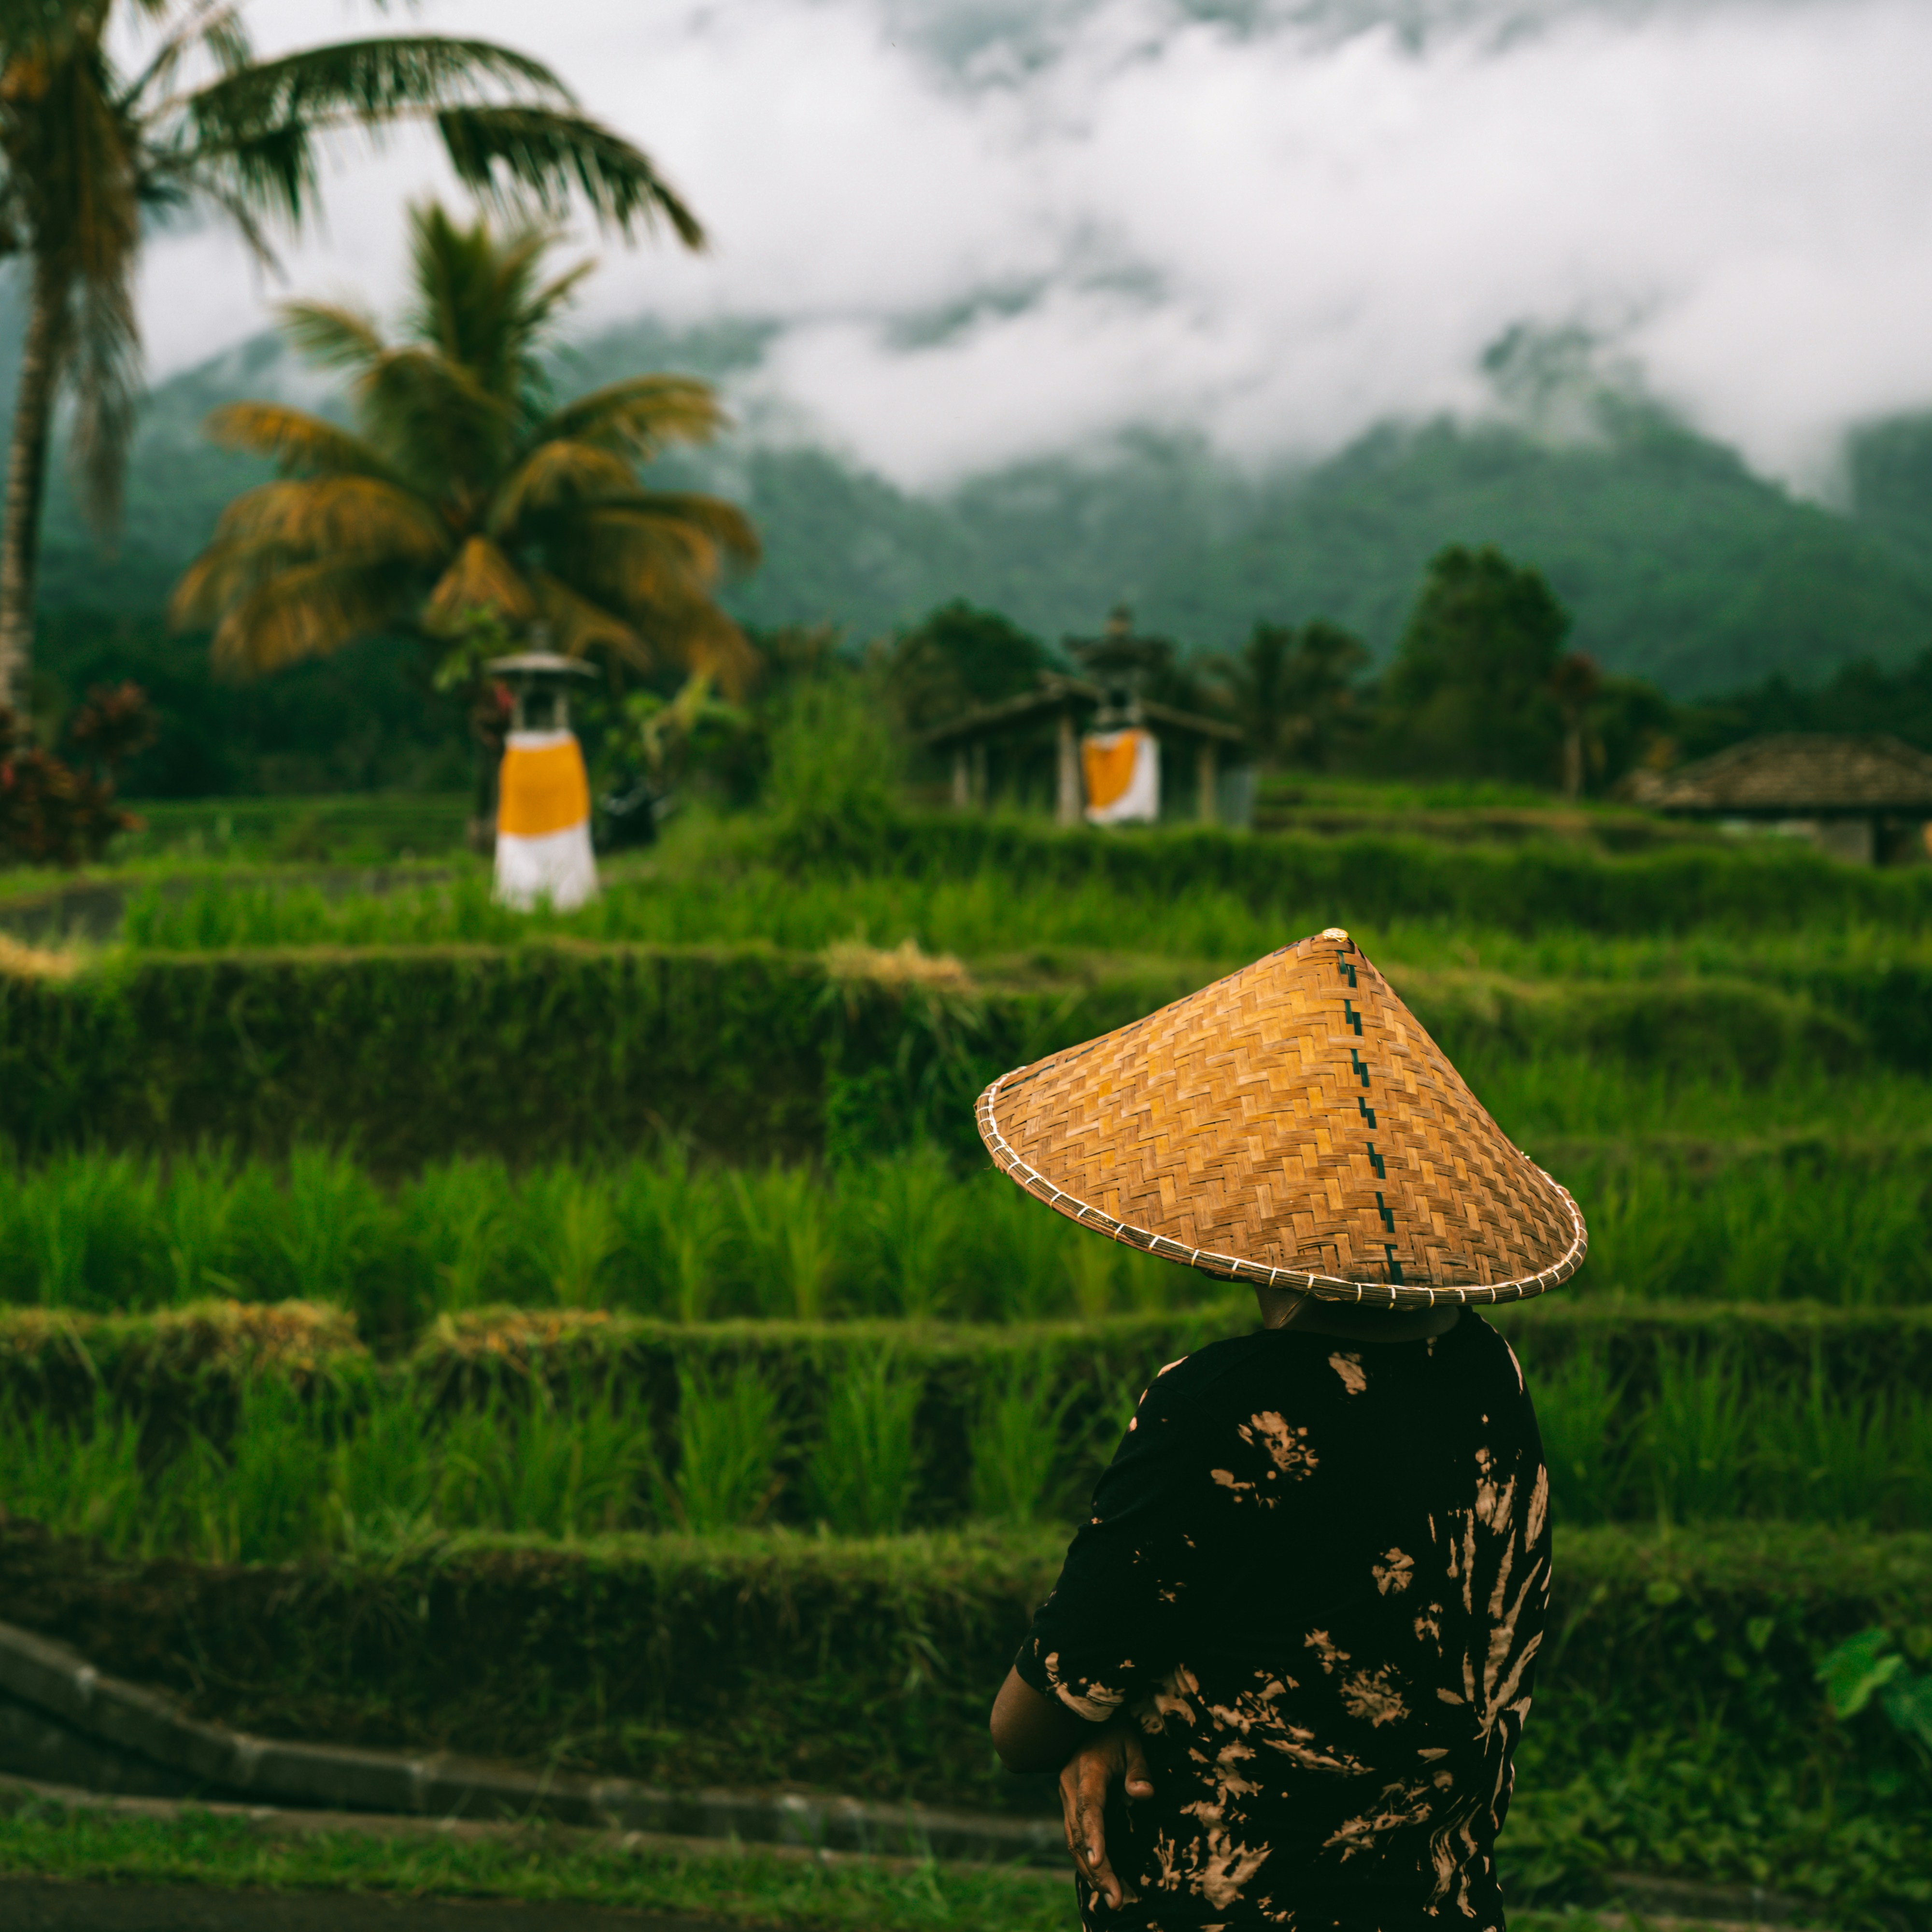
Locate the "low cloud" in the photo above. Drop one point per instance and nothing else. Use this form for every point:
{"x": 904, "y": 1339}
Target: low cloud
{"x": 987, "y": 234}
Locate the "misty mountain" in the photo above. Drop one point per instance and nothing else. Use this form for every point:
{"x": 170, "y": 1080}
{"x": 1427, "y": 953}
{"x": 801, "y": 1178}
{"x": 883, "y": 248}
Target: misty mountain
{"x": 1678, "y": 564}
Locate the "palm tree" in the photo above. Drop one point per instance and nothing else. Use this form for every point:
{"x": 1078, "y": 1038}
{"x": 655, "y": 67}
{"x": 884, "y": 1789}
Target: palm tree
{"x": 466, "y": 501}
{"x": 90, "y": 155}
{"x": 1293, "y": 687}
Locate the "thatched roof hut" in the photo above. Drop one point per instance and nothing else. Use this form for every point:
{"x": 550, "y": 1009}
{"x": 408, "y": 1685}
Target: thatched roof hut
{"x": 1868, "y": 798}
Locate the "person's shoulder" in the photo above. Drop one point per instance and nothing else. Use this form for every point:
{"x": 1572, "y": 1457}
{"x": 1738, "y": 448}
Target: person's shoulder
{"x": 1482, "y": 1345}
{"x": 1193, "y": 1381}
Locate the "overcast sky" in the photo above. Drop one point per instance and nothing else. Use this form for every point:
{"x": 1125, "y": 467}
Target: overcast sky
{"x": 991, "y": 231}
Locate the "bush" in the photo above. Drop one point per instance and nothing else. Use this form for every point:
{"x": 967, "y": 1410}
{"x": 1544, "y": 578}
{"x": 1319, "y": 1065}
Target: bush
{"x": 53, "y": 813}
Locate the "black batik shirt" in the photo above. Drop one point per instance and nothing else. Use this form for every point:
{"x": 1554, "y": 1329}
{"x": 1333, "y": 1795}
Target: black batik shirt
{"x": 1316, "y": 1574}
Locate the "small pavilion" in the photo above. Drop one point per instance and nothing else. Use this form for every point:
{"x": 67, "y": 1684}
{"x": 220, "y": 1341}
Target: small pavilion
{"x": 1866, "y": 799}
{"x": 1119, "y": 664}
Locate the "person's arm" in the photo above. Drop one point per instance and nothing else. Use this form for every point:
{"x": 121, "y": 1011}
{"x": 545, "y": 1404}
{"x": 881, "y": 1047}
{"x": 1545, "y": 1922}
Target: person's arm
{"x": 1032, "y": 1733}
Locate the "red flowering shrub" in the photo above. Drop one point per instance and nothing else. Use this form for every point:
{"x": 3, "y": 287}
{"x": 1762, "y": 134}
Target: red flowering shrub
{"x": 53, "y": 813}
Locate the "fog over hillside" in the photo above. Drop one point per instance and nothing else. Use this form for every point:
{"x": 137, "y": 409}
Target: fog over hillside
{"x": 986, "y": 232}
{"x": 1679, "y": 562}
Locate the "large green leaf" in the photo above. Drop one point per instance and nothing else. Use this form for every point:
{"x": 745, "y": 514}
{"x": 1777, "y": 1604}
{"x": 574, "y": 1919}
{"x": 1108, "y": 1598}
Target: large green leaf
{"x": 1860, "y": 1667}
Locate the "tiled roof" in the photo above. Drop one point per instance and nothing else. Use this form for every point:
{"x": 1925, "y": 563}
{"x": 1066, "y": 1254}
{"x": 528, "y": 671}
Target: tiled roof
{"x": 1798, "y": 774}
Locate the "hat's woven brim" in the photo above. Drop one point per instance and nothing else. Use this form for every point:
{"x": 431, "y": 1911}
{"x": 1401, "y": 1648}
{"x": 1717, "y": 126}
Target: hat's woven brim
{"x": 1293, "y": 1114}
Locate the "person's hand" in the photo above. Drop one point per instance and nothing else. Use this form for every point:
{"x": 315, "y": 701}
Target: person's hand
{"x": 1115, "y": 1758}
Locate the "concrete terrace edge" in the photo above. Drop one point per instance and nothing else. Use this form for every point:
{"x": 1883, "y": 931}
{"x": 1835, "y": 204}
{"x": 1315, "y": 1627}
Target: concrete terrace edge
{"x": 54, "y": 1681}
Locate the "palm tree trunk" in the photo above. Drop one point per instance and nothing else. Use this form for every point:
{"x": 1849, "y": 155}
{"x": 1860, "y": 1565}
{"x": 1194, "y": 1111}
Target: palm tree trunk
{"x": 26, "y": 487}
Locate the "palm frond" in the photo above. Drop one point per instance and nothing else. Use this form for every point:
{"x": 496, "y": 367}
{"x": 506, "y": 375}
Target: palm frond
{"x": 332, "y": 335}
{"x": 636, "y": 556}
{"x": 657, "y": 575}
{"x": 445, "y": 431}
{"x": 508, "y": 155}
{"x": 310, "y": 610}
{"x": 723, "y": 523}
{"x": 554, "y": 475}
{"x": 478, "y": 298}
{"x": 640, "y": 415}
{"x": 348, "y": 516}
{"x": 269, "y": 169}
{"x": 481, "y": 578}
{"x": 581, "y": 627}
{"x": 223, "y": 576}
{"x": 261, "y": 124}
{"x": 300, "y": 443}
{"x": 374, "y": 80}
{"x": 702, "y": 641}
{"x": 215, "y": 24}
{"x": 632, "y": 571}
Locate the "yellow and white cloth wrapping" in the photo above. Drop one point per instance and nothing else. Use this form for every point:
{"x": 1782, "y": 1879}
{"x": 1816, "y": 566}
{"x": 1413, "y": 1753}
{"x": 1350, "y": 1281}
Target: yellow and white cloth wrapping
{"x": 543, "y": 822}
{"x": 1122, "y": 769}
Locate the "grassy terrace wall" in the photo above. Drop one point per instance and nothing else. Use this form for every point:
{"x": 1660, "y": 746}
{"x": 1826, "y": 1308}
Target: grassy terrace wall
{"x": 170, "y": 1362}
{"x": 758, "y": 1659}
{"x": 1378, "y": 878}
{"x": 540, "y": 1050}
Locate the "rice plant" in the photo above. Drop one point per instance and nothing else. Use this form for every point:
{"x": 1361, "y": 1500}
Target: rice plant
{"x": 85, "y": 1481}
{"x": 261, "y": 1498}
{"x": 862, "y": 1470}
{"x": 1016, "y": 1252}
{"x": 674, "y": 1224}
{"x": 382, "y": 1474}
{"x": 901, "y": 1235}
{"x": 575, "y": 1465}
{"x": 784, "y": 1228}
{"x": 456, "y": 1215}
{"x": 198, "y": 1203}
{"x": 1093, "y": 1271}
{"x": 914, "y": 1205}
{"x": 1014, "y": 1443}
{"x": 1836, "y": 1454}
{"x": 332, "y": 1223}
{"x": 1695, "y": 1441}
{"x": 570, "y": 1225}
{"x": 729, "y": 1439}
{"x": 1585, "y": 1419}
{"x": 86, "y": 1224}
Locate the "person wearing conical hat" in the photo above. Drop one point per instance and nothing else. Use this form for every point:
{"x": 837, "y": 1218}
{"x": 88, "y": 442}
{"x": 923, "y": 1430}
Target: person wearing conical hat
{"x": 1288, "y": 1659}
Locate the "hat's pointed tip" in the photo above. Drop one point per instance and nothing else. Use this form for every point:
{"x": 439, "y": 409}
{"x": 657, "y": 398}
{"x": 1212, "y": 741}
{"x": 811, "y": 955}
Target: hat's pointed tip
{"x": 1334, "y": 932}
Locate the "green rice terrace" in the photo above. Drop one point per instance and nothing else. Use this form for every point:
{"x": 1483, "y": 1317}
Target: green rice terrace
{"x": 597, "y": 1341}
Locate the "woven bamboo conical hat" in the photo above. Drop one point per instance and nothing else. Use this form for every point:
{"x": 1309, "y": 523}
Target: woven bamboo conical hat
{"x": 1292, "y": 1124}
